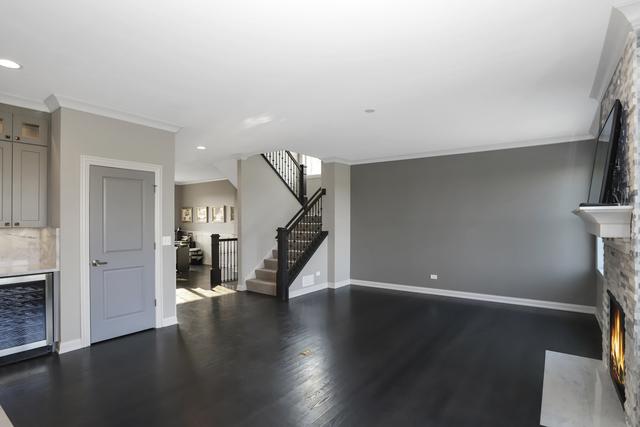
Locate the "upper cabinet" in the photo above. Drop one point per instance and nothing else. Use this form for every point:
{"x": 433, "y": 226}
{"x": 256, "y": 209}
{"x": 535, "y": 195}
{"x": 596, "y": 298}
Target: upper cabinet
{"x": 31, "y": 128}
{"x": 24, "y": 158}
{"x": 6, "y": 128}
{"x": 29, "y": 196}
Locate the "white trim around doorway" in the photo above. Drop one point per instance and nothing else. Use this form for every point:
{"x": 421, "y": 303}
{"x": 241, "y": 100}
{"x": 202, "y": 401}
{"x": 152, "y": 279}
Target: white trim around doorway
{"x": 85, "y": 302}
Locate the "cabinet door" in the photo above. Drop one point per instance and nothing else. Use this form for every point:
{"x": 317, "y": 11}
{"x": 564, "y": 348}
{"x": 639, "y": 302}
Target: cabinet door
{"x": 6, "y": 128}
{"x": 29, "y": 205}
{"x": 30, "y": 129}
{"x": 5, "y": 184}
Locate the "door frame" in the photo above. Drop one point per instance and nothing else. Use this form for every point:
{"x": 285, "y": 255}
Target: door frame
{"x": 85, "y": 282}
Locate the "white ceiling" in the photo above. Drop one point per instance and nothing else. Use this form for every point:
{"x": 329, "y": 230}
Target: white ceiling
{"x": 245, "y": 76}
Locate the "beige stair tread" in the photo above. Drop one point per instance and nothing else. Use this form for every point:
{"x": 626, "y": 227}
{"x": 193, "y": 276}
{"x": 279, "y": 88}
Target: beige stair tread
{"x": 266, "y": 274}
{"x": 261, "y": 286}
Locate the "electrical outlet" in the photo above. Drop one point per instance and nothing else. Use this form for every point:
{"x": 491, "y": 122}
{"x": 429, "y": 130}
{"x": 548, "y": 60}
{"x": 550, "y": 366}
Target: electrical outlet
{"x": 433, "y": 277}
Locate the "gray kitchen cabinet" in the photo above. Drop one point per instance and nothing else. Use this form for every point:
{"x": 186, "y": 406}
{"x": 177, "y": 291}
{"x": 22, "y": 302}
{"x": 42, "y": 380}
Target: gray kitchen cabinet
{"x": 31, "y": 128}
{"x": 5, "y": 183}
{"x": 6, "y": 128}
{"x": 29, "y": 173}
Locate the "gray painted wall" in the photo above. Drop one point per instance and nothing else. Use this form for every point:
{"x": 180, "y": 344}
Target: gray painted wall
{"x": 496, "y": 222}
{"x": 78, "y": 133}
{"x": 215, "y": 193}
{"x": 336, "y": 219}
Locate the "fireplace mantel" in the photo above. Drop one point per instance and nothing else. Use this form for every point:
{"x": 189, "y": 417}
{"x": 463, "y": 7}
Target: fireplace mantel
{"x": 606, "y": 221}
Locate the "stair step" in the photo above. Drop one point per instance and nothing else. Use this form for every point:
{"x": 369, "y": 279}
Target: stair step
{"x": 261, "y": 286}
{"x": 271, "y": 263}
{"x": 266, "y": 274}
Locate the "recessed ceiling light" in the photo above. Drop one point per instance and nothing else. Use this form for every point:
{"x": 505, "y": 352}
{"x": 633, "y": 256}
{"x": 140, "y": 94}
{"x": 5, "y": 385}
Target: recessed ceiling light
{"x": 201, "y": 147}
{"x": 7, "y": 63}
{"x": 369, "y": 110}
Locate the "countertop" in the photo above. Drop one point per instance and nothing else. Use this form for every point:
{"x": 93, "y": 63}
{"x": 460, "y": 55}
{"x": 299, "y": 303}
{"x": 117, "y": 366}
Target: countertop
{"x": 21, "y": 270}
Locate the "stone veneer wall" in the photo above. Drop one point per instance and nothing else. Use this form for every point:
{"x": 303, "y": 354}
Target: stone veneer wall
{"x": 621, "y": 267}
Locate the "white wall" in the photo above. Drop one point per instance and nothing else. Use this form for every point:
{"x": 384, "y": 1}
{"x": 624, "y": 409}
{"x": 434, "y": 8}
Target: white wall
{"x": 207, "y": 194}
{"x": 77, "y": 133}
{"x": 336, "y": 218}
{"x": 314, "y": 275}
{"x": 264, "y": 204}
{"x": 313, "y": 183}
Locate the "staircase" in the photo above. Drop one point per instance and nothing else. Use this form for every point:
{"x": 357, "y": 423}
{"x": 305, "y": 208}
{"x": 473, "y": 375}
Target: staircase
{"x": 298, "y": 240}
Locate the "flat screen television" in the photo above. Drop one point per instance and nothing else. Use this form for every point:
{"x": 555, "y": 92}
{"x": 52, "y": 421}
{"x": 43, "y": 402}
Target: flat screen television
{"x": 605, "y": 158}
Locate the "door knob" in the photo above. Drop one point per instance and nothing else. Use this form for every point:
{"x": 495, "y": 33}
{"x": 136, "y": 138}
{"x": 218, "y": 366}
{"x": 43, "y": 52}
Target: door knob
{"x": 7, "y": 224}
{"x": 97, "y": 263}
{"x": 16, "y": 224}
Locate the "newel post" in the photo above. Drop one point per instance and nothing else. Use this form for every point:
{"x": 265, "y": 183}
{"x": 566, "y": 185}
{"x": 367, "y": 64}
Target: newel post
{"x": 282, "y": 276}
{"x": 216, "y": 272}
{"x": 303, "y": 185}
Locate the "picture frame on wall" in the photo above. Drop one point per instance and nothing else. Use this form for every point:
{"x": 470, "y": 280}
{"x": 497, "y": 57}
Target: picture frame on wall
{"x": 218, "y": 214}
{"x": 202, "y": 215}
{"x": 187, "y": 214}
{"x": 232, "y": 213}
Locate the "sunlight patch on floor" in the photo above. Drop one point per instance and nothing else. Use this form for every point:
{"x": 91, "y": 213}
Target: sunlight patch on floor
{"x": 184, "y": 295}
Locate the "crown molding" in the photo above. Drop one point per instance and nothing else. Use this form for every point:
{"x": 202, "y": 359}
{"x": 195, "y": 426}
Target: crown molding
{"x": 19, "y": 101}
{"x": 466, "y": 150}
{"x": 631, "y": 10}
{"x": 200, "y": 181}
{"x": 53, "y": 102}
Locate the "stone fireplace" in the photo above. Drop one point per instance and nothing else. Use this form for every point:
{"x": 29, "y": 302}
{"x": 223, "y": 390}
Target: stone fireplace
{"x": 618, "y": 310}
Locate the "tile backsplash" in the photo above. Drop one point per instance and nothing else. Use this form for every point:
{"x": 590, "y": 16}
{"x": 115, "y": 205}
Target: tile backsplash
{"x": 35, "y": 248}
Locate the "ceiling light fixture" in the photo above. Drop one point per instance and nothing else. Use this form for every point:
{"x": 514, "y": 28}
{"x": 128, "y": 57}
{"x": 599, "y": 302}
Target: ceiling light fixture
{"x": 201, "y": 147}
{"x": 369, "y": 110}
{"x": 7, "y": 63}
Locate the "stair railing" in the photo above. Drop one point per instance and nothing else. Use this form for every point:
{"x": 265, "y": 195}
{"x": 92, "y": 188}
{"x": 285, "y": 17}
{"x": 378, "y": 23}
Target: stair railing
{"x": 297, "y": 242}
{"x": 224, "y": 260}
{"x": 290, "y": 171}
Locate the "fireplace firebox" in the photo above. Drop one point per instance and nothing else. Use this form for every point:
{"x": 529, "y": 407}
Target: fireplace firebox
{"x": 616, "y": 345}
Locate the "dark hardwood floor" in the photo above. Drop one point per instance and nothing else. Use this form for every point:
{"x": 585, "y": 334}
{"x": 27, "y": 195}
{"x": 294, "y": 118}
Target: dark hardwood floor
{"x": 356, "y": 356}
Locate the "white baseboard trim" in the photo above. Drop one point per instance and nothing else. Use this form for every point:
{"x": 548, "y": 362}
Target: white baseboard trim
{"x": 336, "y": 285}
{"x": 307, "y": 290}
{"x": 551, "y": 305}
{"x": 169, "y": 321}
{"x": 67, "y": 346}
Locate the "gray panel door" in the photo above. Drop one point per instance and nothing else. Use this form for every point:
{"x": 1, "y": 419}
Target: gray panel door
{"x": 5, "y": 183}
{"x": 121, "y": 209}
{"x": 29, "y": 185}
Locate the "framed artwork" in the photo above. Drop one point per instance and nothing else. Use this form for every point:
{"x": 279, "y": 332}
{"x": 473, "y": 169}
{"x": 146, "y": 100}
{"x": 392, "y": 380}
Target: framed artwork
{"x": 202, "y": 215}
{"x": 187, "y": 215}
{"x": 232, "y": 213}
{"x": 218, "y": 214}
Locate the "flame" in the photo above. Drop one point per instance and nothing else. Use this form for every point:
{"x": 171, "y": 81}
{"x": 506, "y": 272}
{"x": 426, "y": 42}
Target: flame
{"x": 617, "y": 347}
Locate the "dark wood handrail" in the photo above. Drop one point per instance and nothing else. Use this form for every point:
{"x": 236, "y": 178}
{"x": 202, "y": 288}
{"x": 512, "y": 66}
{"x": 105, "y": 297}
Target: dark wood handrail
{"x": 290, "y": 172}
{"x": 295, "y": 162}
{"x": 298, "y": 241}
{"x": 303, "y": 210}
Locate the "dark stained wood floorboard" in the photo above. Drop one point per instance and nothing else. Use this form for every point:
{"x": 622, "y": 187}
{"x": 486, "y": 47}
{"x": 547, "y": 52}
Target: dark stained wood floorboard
{"x": 377, "y": 358}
